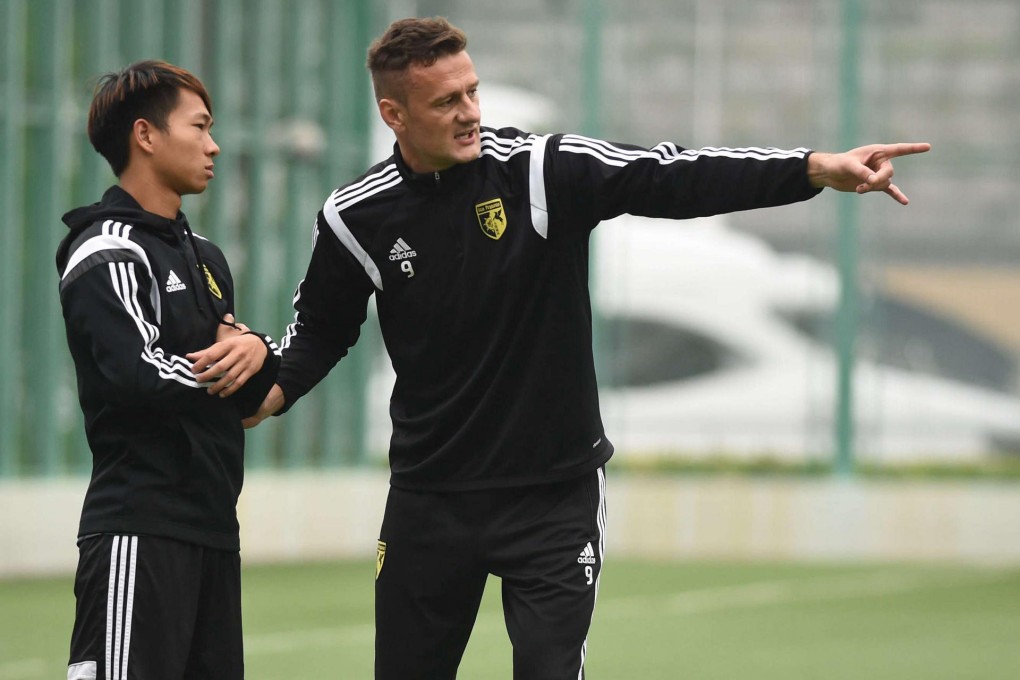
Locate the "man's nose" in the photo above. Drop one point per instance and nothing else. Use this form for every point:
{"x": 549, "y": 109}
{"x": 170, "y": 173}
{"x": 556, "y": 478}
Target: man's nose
{"x": 470, "y": 111}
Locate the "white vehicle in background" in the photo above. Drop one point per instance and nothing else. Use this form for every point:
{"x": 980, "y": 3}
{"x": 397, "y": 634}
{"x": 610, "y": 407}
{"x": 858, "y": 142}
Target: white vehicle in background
{"x": 703, "y": 350}
{"x": 707, "y": 350}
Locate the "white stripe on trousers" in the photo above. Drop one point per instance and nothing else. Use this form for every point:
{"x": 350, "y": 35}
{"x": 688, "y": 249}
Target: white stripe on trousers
{"x": 601, "y": 521}
{"x": 120, "y": 600}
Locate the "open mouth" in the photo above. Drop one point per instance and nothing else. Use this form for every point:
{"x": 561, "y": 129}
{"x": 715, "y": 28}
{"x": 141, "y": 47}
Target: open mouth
{"x": 465, "y": 136}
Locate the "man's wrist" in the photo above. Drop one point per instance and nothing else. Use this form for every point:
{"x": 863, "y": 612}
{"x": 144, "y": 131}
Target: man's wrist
{"x": 816, "y": 172}
{"x": 275, "y": 401}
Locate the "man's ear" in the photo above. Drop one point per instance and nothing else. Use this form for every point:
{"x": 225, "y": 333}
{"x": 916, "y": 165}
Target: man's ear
{"x": 142, "y": 133}
{"x": 393, "y": 114}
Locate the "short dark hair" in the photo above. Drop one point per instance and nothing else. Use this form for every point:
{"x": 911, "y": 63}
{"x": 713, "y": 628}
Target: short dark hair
{"x": 146, "y": 89}
{"x": 406, "y": 43}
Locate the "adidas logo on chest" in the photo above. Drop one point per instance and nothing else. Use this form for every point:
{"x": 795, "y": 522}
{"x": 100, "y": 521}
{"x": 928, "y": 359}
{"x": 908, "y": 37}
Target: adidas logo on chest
{"x": 401, "y": 251}
{"x": 174, "y": 283}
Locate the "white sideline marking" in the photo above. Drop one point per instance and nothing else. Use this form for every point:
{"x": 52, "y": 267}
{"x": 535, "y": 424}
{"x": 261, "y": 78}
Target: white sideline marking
{"x": 761, "y": 593}
{"x": 684, "y": 603}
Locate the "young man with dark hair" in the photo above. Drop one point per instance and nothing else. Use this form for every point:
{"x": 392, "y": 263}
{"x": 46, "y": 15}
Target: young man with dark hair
{"x": 475, "y": 243}
{"x": 164, "y": 377}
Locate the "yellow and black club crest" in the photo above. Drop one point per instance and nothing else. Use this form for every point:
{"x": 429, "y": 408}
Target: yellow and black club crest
{"x": 491, "y": 218}
{"x": 380, "y": 557}
{"x": 213, "y": 288}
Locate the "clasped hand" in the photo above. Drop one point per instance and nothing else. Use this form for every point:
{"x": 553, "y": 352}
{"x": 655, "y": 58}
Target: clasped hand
{"x": 228, "y": 363}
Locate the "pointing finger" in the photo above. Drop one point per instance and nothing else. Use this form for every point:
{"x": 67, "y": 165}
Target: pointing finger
{"x": 905, "y": 149}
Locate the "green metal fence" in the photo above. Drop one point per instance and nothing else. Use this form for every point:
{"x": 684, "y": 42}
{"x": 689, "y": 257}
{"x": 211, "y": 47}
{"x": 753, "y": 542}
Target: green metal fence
{"x": 292, "y": 104}
{"x": 291, "y": 100}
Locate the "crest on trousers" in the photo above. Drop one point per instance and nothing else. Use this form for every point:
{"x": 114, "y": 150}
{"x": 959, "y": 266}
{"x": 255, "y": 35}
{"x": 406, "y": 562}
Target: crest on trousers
{"x": 211, "y": 282}
{"x": 491, "y": 218}
{"x": 380, "y": 557}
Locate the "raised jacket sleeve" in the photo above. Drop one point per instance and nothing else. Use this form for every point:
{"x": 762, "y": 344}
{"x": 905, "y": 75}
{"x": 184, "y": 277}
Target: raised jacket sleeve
{"x": 594, "y": 180}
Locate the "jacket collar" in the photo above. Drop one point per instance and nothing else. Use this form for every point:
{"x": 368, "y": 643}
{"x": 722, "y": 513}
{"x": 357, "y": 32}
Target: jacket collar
{"x": 432, "y": 181}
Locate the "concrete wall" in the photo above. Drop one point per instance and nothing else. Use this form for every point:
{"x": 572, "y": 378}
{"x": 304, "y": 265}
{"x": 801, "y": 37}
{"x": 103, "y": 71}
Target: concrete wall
{"x": 328, "y": 515}
{"x": 815, "y": 519}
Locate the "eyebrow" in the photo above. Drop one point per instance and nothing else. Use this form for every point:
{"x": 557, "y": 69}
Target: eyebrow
{"x": 207, "y": 118}
{"x": 454, "y": 92}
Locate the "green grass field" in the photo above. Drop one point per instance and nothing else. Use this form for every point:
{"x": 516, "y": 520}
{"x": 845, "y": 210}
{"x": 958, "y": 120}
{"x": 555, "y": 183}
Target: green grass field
{"x": 669, "y": 620}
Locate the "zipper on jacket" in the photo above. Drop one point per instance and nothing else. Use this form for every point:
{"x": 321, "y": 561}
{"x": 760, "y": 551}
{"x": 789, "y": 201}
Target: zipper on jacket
{"x": 197, "y": 276}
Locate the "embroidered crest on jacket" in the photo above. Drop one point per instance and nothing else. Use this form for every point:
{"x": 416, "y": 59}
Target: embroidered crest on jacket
{"x": 213, "y": 287}
{"x": 491, "y": 218}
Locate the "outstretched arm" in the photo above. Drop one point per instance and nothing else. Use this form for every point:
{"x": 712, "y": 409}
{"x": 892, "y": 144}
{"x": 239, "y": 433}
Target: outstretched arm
{"x": 864, "y": 169}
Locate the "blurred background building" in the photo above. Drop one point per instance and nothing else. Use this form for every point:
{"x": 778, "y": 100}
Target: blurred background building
{"x": 830, "y": 332}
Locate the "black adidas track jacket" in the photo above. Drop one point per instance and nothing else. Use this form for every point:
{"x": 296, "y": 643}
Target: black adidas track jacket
{"x": 480, "y": 273}
{"x": 138, "y": 292}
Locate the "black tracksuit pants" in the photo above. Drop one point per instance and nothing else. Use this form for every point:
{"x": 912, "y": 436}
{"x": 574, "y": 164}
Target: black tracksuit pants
{"x": 436, "y": 551}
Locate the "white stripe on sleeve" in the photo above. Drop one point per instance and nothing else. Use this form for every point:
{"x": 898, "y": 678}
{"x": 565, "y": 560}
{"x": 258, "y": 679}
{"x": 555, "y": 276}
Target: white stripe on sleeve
{"x": 536, "y": 187}
{"x": 345, "y": 236}
{"x": 109, "y": 241}
{"x": 371, "y": 185}
{"x": 667, "y": 152}
{"x": 172, "y": 367}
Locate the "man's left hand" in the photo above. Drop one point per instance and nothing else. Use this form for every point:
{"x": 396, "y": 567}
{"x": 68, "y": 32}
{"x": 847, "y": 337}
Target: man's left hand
{"x": 862, "y": 170}
{"x": 234, "y": 358}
